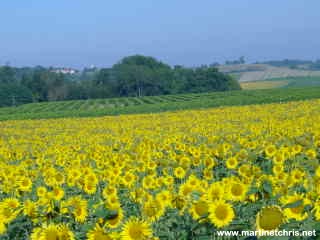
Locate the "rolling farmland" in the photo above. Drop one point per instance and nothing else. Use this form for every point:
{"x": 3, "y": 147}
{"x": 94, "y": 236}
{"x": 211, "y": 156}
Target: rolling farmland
{"x": 289, "y": 82}
{"x": 259, "y": 72}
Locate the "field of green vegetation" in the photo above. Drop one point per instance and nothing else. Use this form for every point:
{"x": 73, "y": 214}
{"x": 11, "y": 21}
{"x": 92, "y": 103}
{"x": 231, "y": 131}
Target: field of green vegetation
{"x": 116, "y": 106}
{"x": 288, "y": 82}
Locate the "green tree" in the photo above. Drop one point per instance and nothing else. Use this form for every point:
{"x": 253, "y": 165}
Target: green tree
{"x": 7, "y": 75}
{"x": 12, "y": 94}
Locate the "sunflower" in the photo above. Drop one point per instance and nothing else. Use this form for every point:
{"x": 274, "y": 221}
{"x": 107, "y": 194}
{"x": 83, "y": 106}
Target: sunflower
{"x": 109, "y": 190}
{"x": 317, "y": 173}
{"x": 208, "y": 174}
{"x": 297, "y": 175}
{"x": 196, "y": 161}
{"x": 316, "y": 210}
{"x": 165, "y": 198}
{"x": 113, "y": 202}
{"x": 278, "y": 158}
{"x": 115, "y": 220}
{"x": 221, "y": 213}
{"x": 296, "y": 149}
{"x": 215, "y": 191}
{"x": 79, "y": 208}
{"x": 185, "y": 161}
{"x": 59, "y": 178}
{"x": 52, "y": 232}
{"x": 232, "y": 163}
{"x": 25, "y": 184}
{"x": 277, "y": 169}
{"x": 74, "y": 174}
{"x": 49, "y": 232}
{"x": 129, "y": 179}
{"x": 236, "y": 191}
{"x": 41, "y": 191}
{"x": 245, "y": 170}
{"x": 35, "y": 235}
{"x": 152, "y": 210}
{"x": 199, "y": 209}
{"x": 270, "y": 150}
{"x": 135, "y": 229}
{"x": 311, "y": 153}
{"x": 58, "y": 193}
{"x": 3, "y": 227}
{"x": 149, "y": 182}
{"x": 169, "y": 181}
{"x": 185, "y": 190}
{"x": 11, "y": 203}
{"x": 8, "y": 209}
{"x": 30, "y": 208}
{"x": 65, "y": 233}
{"x": 269, "y": 218}
{"x": 296, "y": 212}
{"x": 90, "y": 188}
{"x": 151, "y": 165}
{"x": 179, "y": 172}
{"x": 80, "y": 213}
{"x": 193, "y": 182}
{"x": 209, "y": 162}
{"x": 98, "y": 233}
{"x": 91, "y": 178}
{"x": 179, "y": 202}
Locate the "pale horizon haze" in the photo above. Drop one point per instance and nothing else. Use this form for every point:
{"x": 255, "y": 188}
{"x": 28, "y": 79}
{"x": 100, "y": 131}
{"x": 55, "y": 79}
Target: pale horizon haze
{"x": 80, "y": 33}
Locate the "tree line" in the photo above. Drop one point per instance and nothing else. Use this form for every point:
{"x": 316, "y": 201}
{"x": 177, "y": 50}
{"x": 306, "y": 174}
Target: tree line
{"x": 133, "y": 76}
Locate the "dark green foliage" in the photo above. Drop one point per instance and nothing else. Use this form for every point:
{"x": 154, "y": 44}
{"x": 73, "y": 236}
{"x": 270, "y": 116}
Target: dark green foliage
{"x": 7, "y": 75}
{"x": 134, "y": 76}
{"x": 12, "y": 94}
{"x": 145, "y": 76}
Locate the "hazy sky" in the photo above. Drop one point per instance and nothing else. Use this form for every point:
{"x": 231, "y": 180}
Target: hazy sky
{"x": 79, "y": 33}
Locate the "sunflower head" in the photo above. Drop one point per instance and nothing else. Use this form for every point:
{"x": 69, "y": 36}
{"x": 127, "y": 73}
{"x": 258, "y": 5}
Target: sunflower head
{"x": 98, "y": 233}
{"x": 199, "y": 209}
{"x": 136, "y": 229}
{"x": 269, "y": 218}
{"x": 221, "y": 213}
{"x": 237, "y": 191}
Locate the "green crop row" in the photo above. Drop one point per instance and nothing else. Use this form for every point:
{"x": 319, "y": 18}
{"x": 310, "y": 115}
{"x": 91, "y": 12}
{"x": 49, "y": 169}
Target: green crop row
{"x": 152, "y": 104}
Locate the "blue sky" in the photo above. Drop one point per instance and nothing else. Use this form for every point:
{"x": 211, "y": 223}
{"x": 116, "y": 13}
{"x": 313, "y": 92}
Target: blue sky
{"x": 79, "y": 33}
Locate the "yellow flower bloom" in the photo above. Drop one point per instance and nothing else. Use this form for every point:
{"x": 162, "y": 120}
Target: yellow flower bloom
{"x": 221, "y": 213}
{"x": 135, "y": 229}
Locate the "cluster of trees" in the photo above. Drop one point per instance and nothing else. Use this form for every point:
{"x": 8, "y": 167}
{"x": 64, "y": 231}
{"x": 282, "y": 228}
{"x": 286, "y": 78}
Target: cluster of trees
{"x": 133, "y": 76}
{"x": 241, "y": 60}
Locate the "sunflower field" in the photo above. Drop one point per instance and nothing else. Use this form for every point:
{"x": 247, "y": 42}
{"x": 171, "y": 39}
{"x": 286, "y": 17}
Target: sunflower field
{"x": 174, "y": 175}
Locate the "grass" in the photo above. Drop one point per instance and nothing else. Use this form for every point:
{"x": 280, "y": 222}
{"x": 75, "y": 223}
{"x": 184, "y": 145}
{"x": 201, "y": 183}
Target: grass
{"x": 117, "y": 106}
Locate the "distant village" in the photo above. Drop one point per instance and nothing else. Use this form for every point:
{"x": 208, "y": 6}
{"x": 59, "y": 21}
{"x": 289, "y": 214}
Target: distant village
{"x": 65, "y": 70}
{"x": 71, "y": 71}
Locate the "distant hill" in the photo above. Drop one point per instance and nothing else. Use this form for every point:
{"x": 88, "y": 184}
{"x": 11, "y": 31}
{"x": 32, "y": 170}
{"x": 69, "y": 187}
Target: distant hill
{"x": 258, "y": 72}
{"x": 288, "y": 82}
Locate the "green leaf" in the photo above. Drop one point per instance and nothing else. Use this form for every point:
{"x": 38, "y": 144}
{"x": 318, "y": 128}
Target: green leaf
{"x": 252, "y": 190}
{"x": 267, "y": 187}
{"x": 294, "y": 204}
